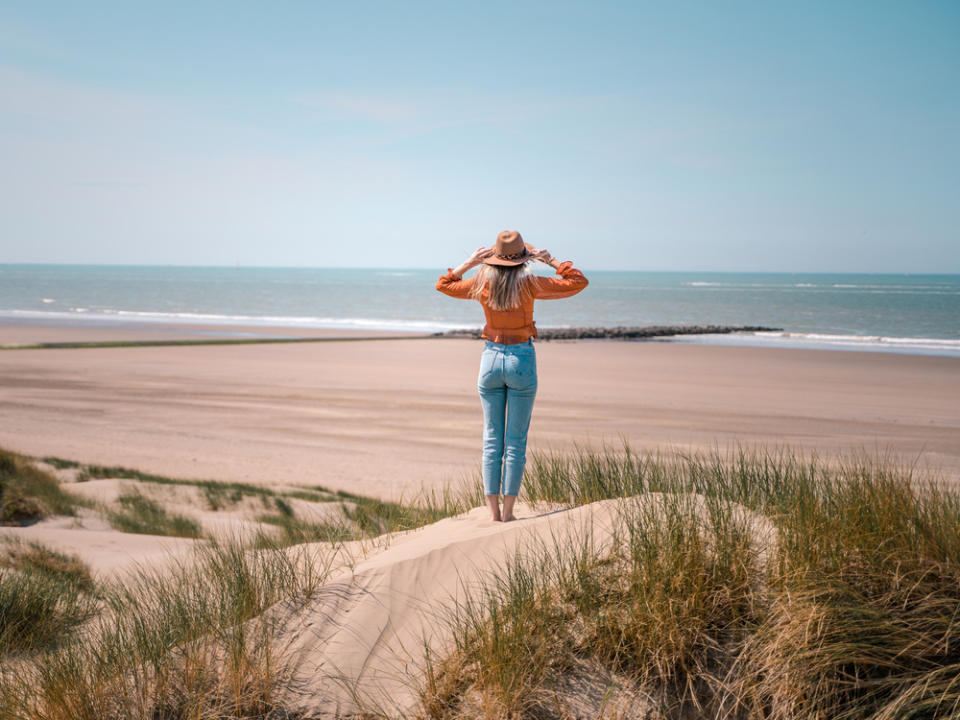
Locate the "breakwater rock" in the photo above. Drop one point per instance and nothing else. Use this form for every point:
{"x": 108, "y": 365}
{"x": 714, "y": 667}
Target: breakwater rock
{"x": 623, "y": 333}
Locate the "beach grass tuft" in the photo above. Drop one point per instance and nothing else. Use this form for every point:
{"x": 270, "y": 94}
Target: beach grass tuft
{"x": 295, "y": 531}
{"x": 28, "y": 494}
{"x": 757, "y": 584}
{"x": 33, "y": 556}
{"x": 192, "y": 641}
{"x": 44, "y": 596}
{"x": 140, "y": 514}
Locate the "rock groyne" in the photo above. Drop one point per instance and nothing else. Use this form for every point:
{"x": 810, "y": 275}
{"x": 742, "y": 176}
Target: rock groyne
{"x": 621, "y": 332}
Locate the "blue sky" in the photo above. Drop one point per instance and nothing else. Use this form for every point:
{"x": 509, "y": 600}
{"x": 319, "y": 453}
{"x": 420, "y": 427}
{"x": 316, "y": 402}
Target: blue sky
{"x": 803, "y": 136}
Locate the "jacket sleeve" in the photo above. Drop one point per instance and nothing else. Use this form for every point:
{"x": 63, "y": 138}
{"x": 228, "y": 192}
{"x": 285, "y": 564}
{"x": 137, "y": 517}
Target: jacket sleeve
{"x": 454, "y": 286}
{"x": 570, "y": 282}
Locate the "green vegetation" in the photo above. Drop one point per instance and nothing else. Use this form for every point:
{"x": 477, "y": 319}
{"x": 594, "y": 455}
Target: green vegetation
{"x": 60, "y": 463}
{"x": 113, "y": 471}
{"x": 219, "y": 495}
{"x": 295, "y": 531}
{"x": 44, "y": 596}
{"x": 28, "y": 494}
{"x": 192, "y": 641}
{"x": 140, "y": 514}
{"x": 364, "y": 517}
{"x": 374, "y": 517}
{"x": 38, "y": 558}
{"x": 311, "y": 496}
{"x": 756, "y": 586}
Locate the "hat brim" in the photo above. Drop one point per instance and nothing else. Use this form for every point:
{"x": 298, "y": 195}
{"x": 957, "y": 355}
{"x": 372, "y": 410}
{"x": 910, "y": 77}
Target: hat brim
{"x": 527, "y": 255}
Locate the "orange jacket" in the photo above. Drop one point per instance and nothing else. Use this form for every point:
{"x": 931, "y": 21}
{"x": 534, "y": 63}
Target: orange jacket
{"x": 516, "y": 325}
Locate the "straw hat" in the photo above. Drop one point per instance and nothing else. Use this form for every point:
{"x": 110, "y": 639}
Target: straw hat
{"x": 510, "y": 249}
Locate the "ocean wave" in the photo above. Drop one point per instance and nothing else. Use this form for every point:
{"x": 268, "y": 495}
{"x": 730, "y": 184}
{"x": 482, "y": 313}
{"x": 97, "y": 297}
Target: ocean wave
{"x": 347, "y": 323}
{"x": 863, "y": 287}
{"x": 877, "y": 343}
{"x": 831, "y": 337}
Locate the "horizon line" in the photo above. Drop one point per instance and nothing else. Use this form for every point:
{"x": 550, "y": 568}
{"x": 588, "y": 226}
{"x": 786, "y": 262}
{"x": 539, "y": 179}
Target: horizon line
{"x": 238, "y": 266}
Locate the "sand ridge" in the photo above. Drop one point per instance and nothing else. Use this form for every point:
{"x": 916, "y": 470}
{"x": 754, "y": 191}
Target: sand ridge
{"x": 359, "y": 644}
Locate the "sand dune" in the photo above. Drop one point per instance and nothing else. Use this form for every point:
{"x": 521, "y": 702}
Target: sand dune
{"x": 359, "y": 643}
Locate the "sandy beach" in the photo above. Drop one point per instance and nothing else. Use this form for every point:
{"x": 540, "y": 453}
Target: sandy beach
{"x": 386, "y": 417}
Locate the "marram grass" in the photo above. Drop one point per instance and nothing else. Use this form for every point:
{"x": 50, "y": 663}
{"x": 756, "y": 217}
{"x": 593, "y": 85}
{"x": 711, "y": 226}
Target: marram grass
{"x": 756, "y": 584}
{"x": 27, "y": 494}
{"x": 139, "y": 514}
{"x": 192, "y": 641}
{"x": 44, "y": 596}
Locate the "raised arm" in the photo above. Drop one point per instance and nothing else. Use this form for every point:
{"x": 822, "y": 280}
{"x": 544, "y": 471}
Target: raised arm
{"x": 570, "y": 280}
{"x": 453, "y": 284}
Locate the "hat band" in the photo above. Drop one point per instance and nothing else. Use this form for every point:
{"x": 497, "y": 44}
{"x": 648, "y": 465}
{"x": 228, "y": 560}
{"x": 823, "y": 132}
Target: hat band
{"x": 513, "y": 256}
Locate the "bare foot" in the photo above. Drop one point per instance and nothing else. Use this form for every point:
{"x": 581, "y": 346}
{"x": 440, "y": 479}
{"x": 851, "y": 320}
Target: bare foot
{"x": 493, "y": 502}
{"x": 508, "y": 501}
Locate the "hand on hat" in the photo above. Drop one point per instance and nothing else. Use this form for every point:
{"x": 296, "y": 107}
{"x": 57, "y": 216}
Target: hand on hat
{"x": 479, "y": 255}
{"x": 543, "y": 256}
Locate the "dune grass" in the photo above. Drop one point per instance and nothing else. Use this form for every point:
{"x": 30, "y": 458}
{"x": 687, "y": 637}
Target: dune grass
{"x": 88, "y": 472}
{"x": 364, "y": 517}
{"x": 33, "y": 556}
{"x": 295, "y": 530}
{"x": 374, "y": 517}
{"x": 757, "y": 585}
{"x": 44, "y": 596}
{"x": 140, "y": 514}
{"x": 28, "y": 494}
{"x": 193, "y": 641}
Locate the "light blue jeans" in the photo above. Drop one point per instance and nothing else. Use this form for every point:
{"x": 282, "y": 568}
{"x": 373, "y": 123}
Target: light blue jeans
{"x": 508, "y": 386}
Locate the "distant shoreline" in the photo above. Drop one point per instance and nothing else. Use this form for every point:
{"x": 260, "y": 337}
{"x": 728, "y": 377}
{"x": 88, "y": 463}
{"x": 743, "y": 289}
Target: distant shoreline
{"x": 31, "y": 334}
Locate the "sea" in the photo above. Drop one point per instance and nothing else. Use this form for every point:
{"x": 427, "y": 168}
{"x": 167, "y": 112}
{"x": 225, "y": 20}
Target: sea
{"x": 902, "y": 313}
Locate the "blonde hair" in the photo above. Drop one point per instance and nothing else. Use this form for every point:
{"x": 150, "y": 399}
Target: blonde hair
{"x": 509, "y": 285}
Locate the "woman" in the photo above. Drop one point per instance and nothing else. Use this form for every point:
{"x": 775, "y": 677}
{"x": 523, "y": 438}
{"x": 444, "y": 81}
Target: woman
{"x": 506, "y": 289}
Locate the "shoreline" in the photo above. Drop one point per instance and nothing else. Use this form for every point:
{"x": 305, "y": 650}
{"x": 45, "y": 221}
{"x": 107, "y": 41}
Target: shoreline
{"x": 23, "y": 333}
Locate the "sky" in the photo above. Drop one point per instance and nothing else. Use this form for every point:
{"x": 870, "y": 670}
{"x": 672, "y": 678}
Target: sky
{"x": 684, "y": 136}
